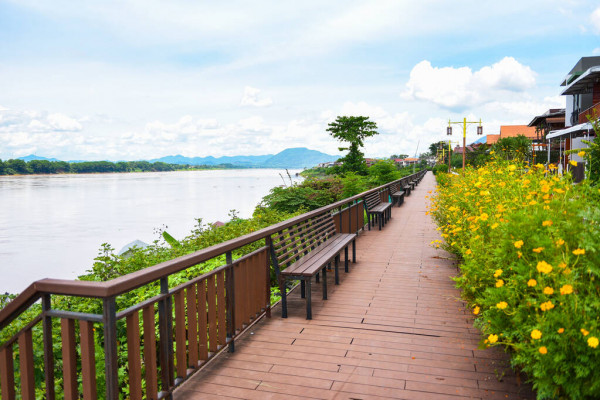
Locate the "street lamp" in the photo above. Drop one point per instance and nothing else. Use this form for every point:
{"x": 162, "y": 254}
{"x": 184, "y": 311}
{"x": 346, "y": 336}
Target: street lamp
{"x": 464, "y": 123}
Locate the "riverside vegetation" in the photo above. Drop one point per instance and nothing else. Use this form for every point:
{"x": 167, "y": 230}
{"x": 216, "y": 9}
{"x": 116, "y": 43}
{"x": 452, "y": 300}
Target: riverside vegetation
{"x": 21, "y": 167}
{"x": 527, "y": 240}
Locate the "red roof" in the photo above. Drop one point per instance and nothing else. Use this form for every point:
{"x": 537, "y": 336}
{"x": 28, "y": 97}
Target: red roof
{"x": 516, "y": 130}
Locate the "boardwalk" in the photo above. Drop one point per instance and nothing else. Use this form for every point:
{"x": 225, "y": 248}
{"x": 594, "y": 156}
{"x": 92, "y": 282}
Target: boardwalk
{"x": 394, "y": 328}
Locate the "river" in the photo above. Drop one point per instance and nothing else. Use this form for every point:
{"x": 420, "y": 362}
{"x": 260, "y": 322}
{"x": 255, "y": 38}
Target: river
{"x": 52, "y": 226}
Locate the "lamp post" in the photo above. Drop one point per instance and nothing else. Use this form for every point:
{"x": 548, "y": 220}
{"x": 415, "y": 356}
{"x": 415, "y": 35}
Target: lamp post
{"x": 464, "y": 123}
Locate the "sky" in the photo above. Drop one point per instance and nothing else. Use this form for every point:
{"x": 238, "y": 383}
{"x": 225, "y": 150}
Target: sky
{"x": 132, "y": 79}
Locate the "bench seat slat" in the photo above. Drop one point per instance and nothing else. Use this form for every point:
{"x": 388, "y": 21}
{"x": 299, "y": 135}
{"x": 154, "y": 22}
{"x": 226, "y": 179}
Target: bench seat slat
{"x": 310, "y": 264}
{"x": 380, "y": 207}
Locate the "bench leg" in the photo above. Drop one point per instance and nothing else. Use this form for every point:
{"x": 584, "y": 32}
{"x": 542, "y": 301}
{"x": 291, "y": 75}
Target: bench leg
{"x": 308, "y": 298}
{"x": 346, "y": 259}
{"x": 317, "y": 278}
{"x": 324, "y": 286}
{"x": 283, "y": 290}
{"x": 302, "y": 289}
{"x": 379, "y": 218}
{"x": 337, "y": 274}
{"x": 354, "y": 251}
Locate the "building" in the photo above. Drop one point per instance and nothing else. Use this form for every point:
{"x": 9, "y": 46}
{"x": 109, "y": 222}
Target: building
{"x": 512, "y": 131}
{"x": 403, "y": 162}
{"x": 582, "y": 96}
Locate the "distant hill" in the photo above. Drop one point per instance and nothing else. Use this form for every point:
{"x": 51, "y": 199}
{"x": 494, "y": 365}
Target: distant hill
{"x": 299, "y": 157}
{"x": 34, "y": 157}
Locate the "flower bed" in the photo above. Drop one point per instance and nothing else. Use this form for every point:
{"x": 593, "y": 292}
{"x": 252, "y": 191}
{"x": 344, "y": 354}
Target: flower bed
{"x": 528, "y": 241}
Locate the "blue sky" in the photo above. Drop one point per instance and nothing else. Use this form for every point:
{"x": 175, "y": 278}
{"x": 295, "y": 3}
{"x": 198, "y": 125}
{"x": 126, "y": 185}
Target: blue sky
{"x": 143, "y": 79}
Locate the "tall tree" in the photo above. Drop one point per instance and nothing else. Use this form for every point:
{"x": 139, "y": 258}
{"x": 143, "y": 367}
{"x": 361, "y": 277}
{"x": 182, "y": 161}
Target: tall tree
{"x": 353, "y": 130}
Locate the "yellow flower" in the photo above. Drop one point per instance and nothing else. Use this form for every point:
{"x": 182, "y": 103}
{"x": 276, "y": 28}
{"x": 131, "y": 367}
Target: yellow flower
{"x": 519, "y": 254}
{"x": 538, "y": 250}
{"x": 560, "y": 242}
{"x": 548, "y": 290}
{"x": 468, "y": 251}
{"x": 484, "y": 217}
{"x": 562, "y": 265}
{"x": 584, "y": 332}
{"x": 561, "y": 330}
{"x": 476, "y": 310}
{"x": 579, "y": 252}
{"x": 547, "y": 306}
{"x": 493, "y": 338}
{"x": 581, "y": 154}
{"x": 531, "y": 282}
{"x": 543, "y": 350}
{"x": 566, "y": 289}
{"x": 536, "y": 334}
{"x": 518, "y": 244}
{"x": 511, "y": 167}
{"x": 532, "y": 203}
{"x": 499, "y": 283}
{"x": 498, "y": 273}
{"x": 545, "y": 188}
{"x": 502, "y": 305}
{"x": 573, "y": 163}
{"x": 547, "y": 223}
{"x": 494, "y": 225}
{"x": 593, "y": 342}
{"x": 544, "y": 267}
{"x": 484, "y": 193}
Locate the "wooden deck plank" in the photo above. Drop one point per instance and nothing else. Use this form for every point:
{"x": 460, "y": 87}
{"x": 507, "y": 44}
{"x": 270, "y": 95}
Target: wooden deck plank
{"x": 395, "y": 327}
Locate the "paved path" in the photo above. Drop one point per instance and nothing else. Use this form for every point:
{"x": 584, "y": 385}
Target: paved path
{"x": 394, "y": 328}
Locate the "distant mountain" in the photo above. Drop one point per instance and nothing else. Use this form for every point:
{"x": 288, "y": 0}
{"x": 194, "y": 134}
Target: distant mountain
{"x": 34, "y": 157}
{"x": 299, "y": 157}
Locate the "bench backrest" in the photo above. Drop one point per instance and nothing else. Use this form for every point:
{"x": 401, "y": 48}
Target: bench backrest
{"x": 395, "y": 187}
{"x": 372, "y": 200}
{"x": 291, "y": 243}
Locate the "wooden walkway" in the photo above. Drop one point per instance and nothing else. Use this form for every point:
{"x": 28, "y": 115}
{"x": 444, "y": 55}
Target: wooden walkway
{"x": 394, "y": 328}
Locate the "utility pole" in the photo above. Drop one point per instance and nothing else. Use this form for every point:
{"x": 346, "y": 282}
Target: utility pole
{"x": 464, "y": 123}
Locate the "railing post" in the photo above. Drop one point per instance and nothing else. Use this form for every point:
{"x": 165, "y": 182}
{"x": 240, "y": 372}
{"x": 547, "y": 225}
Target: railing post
{"x": 269, "y": 244}
{"x": 109, "y": 319}
{"x": 349, "y": 217}
{"x": 165, "y": 328}
{"x": 230, "y": 292}
{"x": 48, "y": 352}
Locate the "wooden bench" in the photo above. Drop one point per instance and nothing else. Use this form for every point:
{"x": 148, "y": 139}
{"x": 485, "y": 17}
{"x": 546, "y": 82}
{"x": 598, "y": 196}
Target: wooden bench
{"x": 377, "y": 209}
{"x": 397, "y": 194}
{"x": 306, "y": 249}
{"x": 406, "y": 186}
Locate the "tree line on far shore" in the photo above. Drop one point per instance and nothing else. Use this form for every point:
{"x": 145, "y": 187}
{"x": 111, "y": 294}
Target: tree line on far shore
{"x": 21, "y": 167}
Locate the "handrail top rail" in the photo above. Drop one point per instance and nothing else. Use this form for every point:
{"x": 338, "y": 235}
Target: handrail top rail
{"x": 134, "y": 280}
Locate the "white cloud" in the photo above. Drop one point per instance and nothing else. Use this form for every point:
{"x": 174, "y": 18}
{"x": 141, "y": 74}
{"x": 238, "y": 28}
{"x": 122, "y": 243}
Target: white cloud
{"x": 596, "y": 51}
{"x": 60, "y": 122}
{"x": 595, "y": 20}
{"x": 251, "y": 98}
{"x": 457, "y": 88}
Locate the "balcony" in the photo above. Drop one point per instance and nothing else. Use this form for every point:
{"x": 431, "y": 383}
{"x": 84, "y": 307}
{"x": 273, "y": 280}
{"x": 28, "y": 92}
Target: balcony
{"x": 593, "y": 110}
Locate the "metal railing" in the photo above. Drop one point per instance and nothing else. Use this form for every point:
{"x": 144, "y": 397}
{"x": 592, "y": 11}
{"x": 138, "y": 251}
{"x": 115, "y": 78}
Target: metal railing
{"x": 182, "y": 327}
